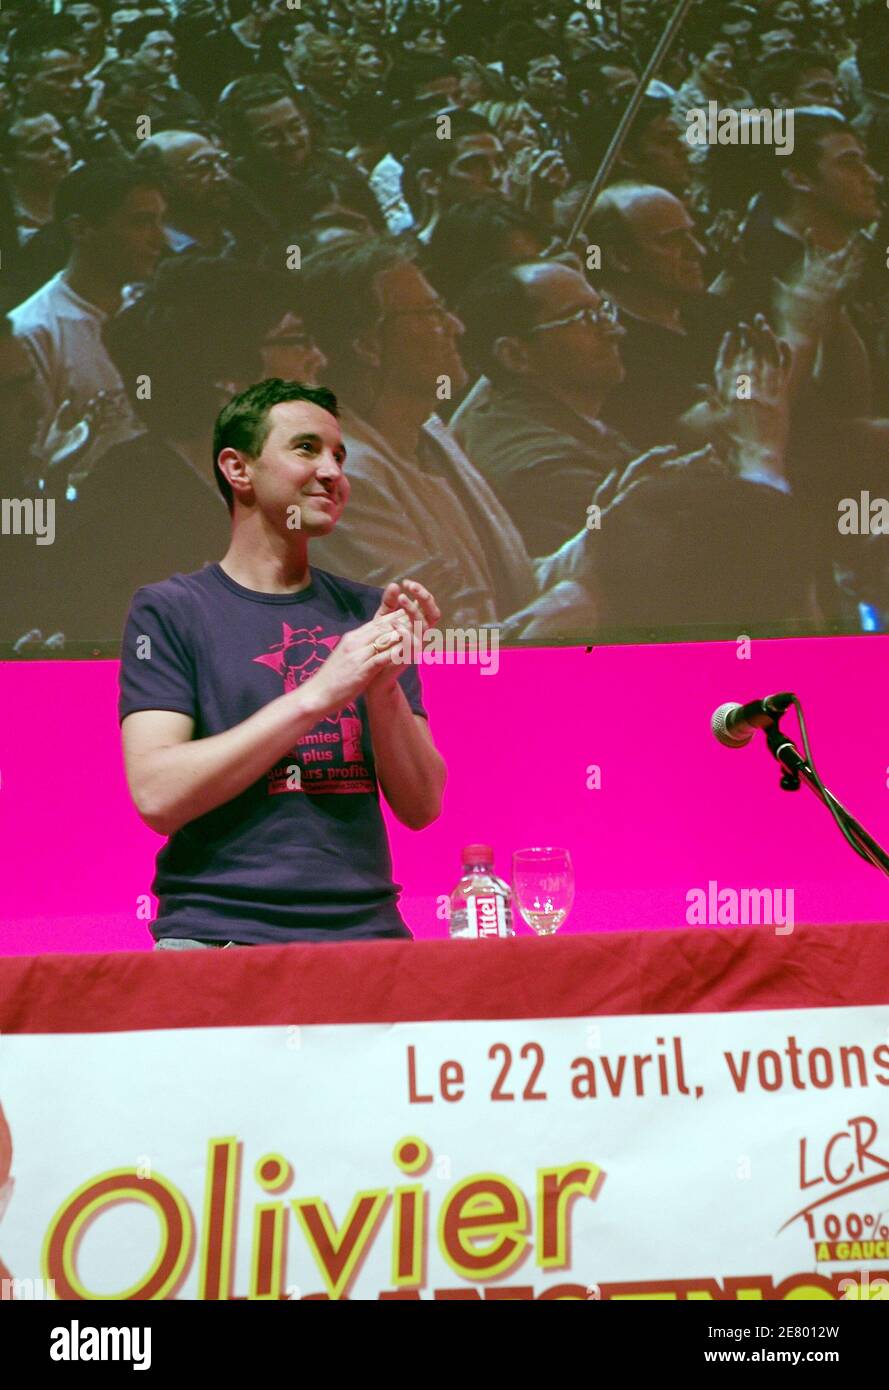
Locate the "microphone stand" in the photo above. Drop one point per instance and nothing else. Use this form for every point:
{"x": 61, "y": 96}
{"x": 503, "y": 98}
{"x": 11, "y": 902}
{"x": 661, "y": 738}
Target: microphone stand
{"x": 795, "y": 766}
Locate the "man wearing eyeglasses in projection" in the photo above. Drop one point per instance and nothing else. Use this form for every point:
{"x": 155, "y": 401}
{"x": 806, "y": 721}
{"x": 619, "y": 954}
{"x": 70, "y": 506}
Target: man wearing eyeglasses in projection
{"x": 548, "y": 346}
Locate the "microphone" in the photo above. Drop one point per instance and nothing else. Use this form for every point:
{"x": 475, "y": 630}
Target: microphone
{"x": 734, "y": 725}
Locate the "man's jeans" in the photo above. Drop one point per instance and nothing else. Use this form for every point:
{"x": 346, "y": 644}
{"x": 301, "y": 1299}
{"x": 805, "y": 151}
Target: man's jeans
{"x": 184, "y": 943}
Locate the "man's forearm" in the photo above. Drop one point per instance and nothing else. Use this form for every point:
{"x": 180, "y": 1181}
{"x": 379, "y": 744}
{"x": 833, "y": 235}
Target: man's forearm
{"x": 412, "y": 773}
{"x": 186, "y": 780}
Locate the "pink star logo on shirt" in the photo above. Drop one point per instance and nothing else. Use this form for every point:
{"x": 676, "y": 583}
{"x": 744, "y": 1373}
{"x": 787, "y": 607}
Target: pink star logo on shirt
{"x": 300, "y": 653}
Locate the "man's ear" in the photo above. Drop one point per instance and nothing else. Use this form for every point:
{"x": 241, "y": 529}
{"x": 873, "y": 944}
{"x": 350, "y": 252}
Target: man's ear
{"x": 797, "y": 180}
{"x": 366, "y": 347}
{"x": 512, "y": 355}
{"x": 232, "y": 464}
{"x": 429, "y": 183}
{"x": 77, "y": 227}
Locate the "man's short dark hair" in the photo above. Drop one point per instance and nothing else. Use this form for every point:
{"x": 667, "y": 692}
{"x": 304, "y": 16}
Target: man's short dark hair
{"x": 279, "y": 30}
{"x": 249, "y": 94}
{"x": 873, "y": 52}
{"x": 244, "y": 423}
{"x": 410, "y": 28}
{"x": 811, "y": 127}
{"x": 738, "y": 13}
{"x": 704, "y": 31}
{"x": 120, "y": 73}
{"x": 427, "y": 151}
{"x": 201, "y": 320}
{"x": 104, "y": 8}
{"x": 338, "y": 295}
{"x": 473, "y": 235}
{"x": 586, "y": 74}
{"x": 10, "y": 134}
{"x": 596, "y": 125}
{"x": 782, "y": 71}
{"x": 98, "y": 190}
{"x": 31, "y": 39}
{"x": 523, "y": 45}
{"x": 134, "y": 35}
{"x": 496, "y": 305}
{"x": 416, "y": 70}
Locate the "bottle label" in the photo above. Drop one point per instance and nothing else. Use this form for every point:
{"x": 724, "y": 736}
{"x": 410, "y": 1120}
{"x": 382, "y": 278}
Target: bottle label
{"x": 485, "y": 915}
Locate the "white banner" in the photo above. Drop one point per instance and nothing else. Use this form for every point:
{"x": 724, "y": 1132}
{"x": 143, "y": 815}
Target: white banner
{"x": 741, "y": 1155}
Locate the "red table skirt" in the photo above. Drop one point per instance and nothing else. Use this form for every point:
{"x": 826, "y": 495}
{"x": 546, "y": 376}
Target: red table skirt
{"x": 697, "y": 970}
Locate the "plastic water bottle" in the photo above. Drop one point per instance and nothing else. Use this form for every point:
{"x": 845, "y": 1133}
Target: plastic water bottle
{"x": 481, "y": 903}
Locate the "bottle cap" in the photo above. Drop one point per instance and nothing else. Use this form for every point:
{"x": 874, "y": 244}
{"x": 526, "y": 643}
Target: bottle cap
{"x": 478, "y": 854}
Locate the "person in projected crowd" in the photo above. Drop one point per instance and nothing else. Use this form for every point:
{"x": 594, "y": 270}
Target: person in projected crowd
{"x": 800, "y": 77}
{"x": 813, "y": 204}
{"x": 419, "y": 506}
{"x": 212, "y": 51}
{"x": 207, "y": 210}
{"x": 727, "y": 553}
{"x": 277, "y": 155}
{"x": 37, "y": 157}
{"x": 275, "y": 703}
{"x": 31, "y": 597}
{"x": 654, "y": 152}
{"x": 150, "y": 46}
{"x": 46, "y": 59}
{"x": 549, "y": 349}
{"x": 203, "y": 331}
{"x": 113, "y": 214}
{"x": 533, "y": 64}
{"x": 713, "y": 74}
{"x": 796, "y": 236}
{"x": 653, "y": 270}
{"x": 439, "y": 174}
{"x": 475, "y": 234}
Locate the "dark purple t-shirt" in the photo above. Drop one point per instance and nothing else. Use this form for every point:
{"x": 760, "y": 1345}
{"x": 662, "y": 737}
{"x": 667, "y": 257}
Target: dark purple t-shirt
{"x": 302, "y": 854}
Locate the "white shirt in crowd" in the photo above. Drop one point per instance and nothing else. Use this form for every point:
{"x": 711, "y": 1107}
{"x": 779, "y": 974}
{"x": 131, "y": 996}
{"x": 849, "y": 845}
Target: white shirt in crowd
{"x": 64, "y": 334}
